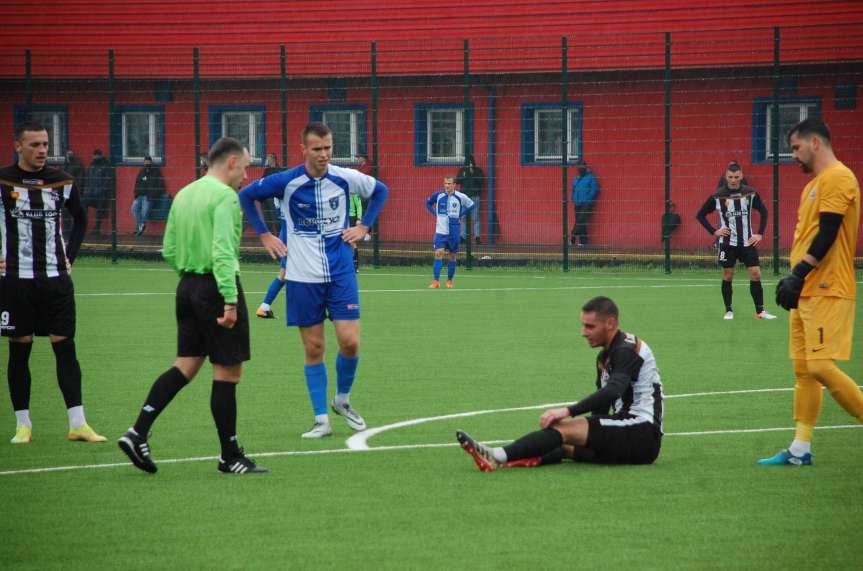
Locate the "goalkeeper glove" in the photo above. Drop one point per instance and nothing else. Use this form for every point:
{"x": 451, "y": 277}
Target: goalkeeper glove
{"x": 788, "y": 289}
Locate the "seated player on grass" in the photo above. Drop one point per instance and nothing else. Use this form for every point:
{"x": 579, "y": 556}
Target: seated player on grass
{"x": 627, "y": 379}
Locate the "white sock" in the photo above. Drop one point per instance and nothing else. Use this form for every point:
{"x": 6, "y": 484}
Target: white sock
{"x": 76, "y": 416}
{"x": 499, "y": 454}
{"x": 23, "y": 418}
{"x": 265, "y": 307}
{"x": 322, "y": 418}
{"x": 341, "y": 399}
{"x": 800, "y": 447}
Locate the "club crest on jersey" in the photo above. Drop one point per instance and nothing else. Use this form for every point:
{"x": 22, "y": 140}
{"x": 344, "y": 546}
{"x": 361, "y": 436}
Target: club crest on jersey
{"x": 33, "y": 181}
{"x": 813, "y": 193}
{"x": 334, "y": 202}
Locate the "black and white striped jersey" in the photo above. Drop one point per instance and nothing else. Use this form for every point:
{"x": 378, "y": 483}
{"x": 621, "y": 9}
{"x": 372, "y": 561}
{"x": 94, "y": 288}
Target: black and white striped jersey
{"x": 31, "y": 227}
{"x": 735, "y": 213}
{"x": 627, "y": 380}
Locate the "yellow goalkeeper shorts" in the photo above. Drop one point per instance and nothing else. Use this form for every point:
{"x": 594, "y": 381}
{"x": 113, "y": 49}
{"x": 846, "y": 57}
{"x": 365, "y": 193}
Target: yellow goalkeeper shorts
{"x": 821, "y": 328}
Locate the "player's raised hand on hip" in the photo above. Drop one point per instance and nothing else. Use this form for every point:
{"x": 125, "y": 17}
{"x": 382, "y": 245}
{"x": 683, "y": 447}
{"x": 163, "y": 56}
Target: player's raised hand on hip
{"x": 354, "y": 234}
{"x": 553, "y": 416}
{"x": 754, "y": 240}
{"x": 275, "y": 247}
{"x": 722, "y": 232}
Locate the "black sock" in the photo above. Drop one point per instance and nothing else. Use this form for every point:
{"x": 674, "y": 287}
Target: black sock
{"x": 161, "y": 394}
{"x": 536, "y": 443}
{"x": 68, "y": 371}
{"x": 726, "y": 294}
{"x": 553, "y": 457}
{"x": 757, "y": 295}
{"x": 223, "y": 404}
{"x": 18, "y": 375}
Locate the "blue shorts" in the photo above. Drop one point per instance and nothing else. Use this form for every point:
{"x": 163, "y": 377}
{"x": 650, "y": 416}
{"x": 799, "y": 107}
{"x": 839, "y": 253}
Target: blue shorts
{"x": 449, "y": 242}
{"x": 310, "y": 303}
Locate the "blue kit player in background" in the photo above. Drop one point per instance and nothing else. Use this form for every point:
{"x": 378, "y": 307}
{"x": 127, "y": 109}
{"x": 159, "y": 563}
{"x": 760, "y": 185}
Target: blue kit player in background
{"x": 448, "y": 206}
{"x": 320, "y": 277}
{"x": 264, "y": 310}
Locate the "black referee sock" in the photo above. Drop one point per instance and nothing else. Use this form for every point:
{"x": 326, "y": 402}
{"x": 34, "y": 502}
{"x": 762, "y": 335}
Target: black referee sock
{"x": 19, "y": 375}
{"x": 726, "y": 294}
{"x": 223, "y": 404}
{"x": 161, "y": 394}
{"x": 757, "y": 295}
{"x": 537, "y": 443}
{"x": 68, "y": 371}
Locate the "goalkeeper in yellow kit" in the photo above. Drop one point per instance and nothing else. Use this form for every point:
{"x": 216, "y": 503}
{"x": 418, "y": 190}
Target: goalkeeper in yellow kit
{"x": 820, "y": 290}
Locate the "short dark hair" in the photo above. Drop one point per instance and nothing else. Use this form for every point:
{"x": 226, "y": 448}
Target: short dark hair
{"x": 811, "y": 126}
{"x": 222, "y": 148}
{"x": 733, "y": 166}
{"x": 316, "y": 128}
{"x": 33, "y": 126}
{"x": 601, "y": 305}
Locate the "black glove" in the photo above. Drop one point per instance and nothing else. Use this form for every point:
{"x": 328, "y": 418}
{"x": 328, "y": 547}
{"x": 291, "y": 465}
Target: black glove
{"x": 788, "y": 289}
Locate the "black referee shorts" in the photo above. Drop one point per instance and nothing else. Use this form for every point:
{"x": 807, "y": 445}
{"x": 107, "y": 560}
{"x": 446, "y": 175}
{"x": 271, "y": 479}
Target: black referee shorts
{"x": 619, "y": 440}
{"x": 198, "y": 305}
{"x": 40, "y": 306}
{"x": 728, "y": 256}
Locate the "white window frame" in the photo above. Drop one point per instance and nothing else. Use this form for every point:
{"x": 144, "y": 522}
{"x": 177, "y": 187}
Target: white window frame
{"x": 355, "y": 117}
{"x": 571, "y": 134}
{"x": 154, "y": 148}
{"x": 254, "y": 151}
{"x": 804, "y": 109}
{"x": 459, "y": 136}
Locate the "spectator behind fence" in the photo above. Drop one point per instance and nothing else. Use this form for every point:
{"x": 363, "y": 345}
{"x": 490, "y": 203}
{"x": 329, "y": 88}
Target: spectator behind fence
{"x": 471, "y": 180}
{"x": 585, "y": 189}
{"x": 271, "y": 215}
{"x": 670, "y": 221}
{"x": 72, "y": 165}
{"x": 149, "y": 191}
{"x": 100, "y": 187}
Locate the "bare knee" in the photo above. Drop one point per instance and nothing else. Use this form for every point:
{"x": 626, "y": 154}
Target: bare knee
{"x": 227, "y": 373}
{"x": 189, "y": 366}
{"x": 438, "y": 254}
{"x": 755, "y": 273}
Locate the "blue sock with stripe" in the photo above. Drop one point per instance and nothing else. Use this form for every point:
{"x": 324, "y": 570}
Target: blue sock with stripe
{"x": 275, "y": 287}
{"x": 438, "y": 264}
{"x": 346, "y": 371}
{"x": 450, "y": 270}
{"x": 316, "y": 381}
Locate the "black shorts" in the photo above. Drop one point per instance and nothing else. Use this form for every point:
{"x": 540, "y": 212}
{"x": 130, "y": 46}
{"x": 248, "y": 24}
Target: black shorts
{"x": 728, "y": 256}
{"x": 41, "y": 306}
{"x": 198, "y": 305}
{"x": 618, "y": 440}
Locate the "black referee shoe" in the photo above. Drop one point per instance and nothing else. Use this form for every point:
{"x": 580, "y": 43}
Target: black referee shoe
{"x": 240, "y": 465}
{"x": 138, "y": 450}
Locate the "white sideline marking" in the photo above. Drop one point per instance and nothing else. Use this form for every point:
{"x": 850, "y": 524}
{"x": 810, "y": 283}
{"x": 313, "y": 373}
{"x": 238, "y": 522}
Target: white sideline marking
{"x": 358, "y": 442}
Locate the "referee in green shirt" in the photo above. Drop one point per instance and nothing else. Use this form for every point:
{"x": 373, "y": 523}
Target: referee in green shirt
{"x": 202, "y": 242}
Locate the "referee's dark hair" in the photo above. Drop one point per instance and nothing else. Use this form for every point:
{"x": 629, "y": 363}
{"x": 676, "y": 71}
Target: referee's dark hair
{"x": 33, "y": 126}
{"x": 811, "y": 126}
{"x": 222, "y": 148}
{"x": 601, "y": 305}
{"x": 316, "y": 128}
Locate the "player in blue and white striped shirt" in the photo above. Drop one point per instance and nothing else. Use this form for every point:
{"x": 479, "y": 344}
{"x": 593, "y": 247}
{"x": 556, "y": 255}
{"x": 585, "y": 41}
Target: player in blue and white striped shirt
{"x": 320, "y": 275}
{"x": 448, "y": 206}
{"x": 264, "y": 311}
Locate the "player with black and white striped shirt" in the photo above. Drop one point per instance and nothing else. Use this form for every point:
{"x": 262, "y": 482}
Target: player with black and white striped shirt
{"x": 36, "y": 292}
{"x": 628, "y": 385}
{"x": 734, "y": 201}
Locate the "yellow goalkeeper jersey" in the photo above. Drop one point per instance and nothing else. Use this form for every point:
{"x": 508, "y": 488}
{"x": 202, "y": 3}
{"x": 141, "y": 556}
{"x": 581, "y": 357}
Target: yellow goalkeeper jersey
{"x": 834, "y": 190}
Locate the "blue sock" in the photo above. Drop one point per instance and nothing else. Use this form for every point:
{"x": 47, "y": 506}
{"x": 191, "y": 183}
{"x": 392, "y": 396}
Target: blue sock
{"x": 438, "y": 264}
{"x": 316, "y": 381}
{"x": 450, "y": 270}
{"x": 346, "y": 370}
{"x": 275, "y": 287}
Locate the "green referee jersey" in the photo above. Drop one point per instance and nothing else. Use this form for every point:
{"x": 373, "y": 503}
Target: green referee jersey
{"x": 203, "y": 233}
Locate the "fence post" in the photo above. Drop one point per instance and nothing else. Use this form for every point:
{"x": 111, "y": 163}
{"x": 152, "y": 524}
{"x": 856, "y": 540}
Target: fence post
{"x": 283, "y": 89}
{"x": 492, "y": 156}
{"x": 467, "y": 150}
{"x": 667, "y": 84}
{"x": 774, "y": 138}
{"x": 111, "y": 102}
{"x": 376, "y": 239}
{"x": 196, "y": 92}
{"x": 564, "y": 147}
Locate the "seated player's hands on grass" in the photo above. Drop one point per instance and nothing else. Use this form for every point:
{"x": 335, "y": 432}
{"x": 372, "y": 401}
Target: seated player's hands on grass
{"x": 754, "y": 240}
{"x": 229, "y": 316}
{"x": 553, "y": 416}
{"x": 354, "y": 234}
{"x": 274, "y": 246}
